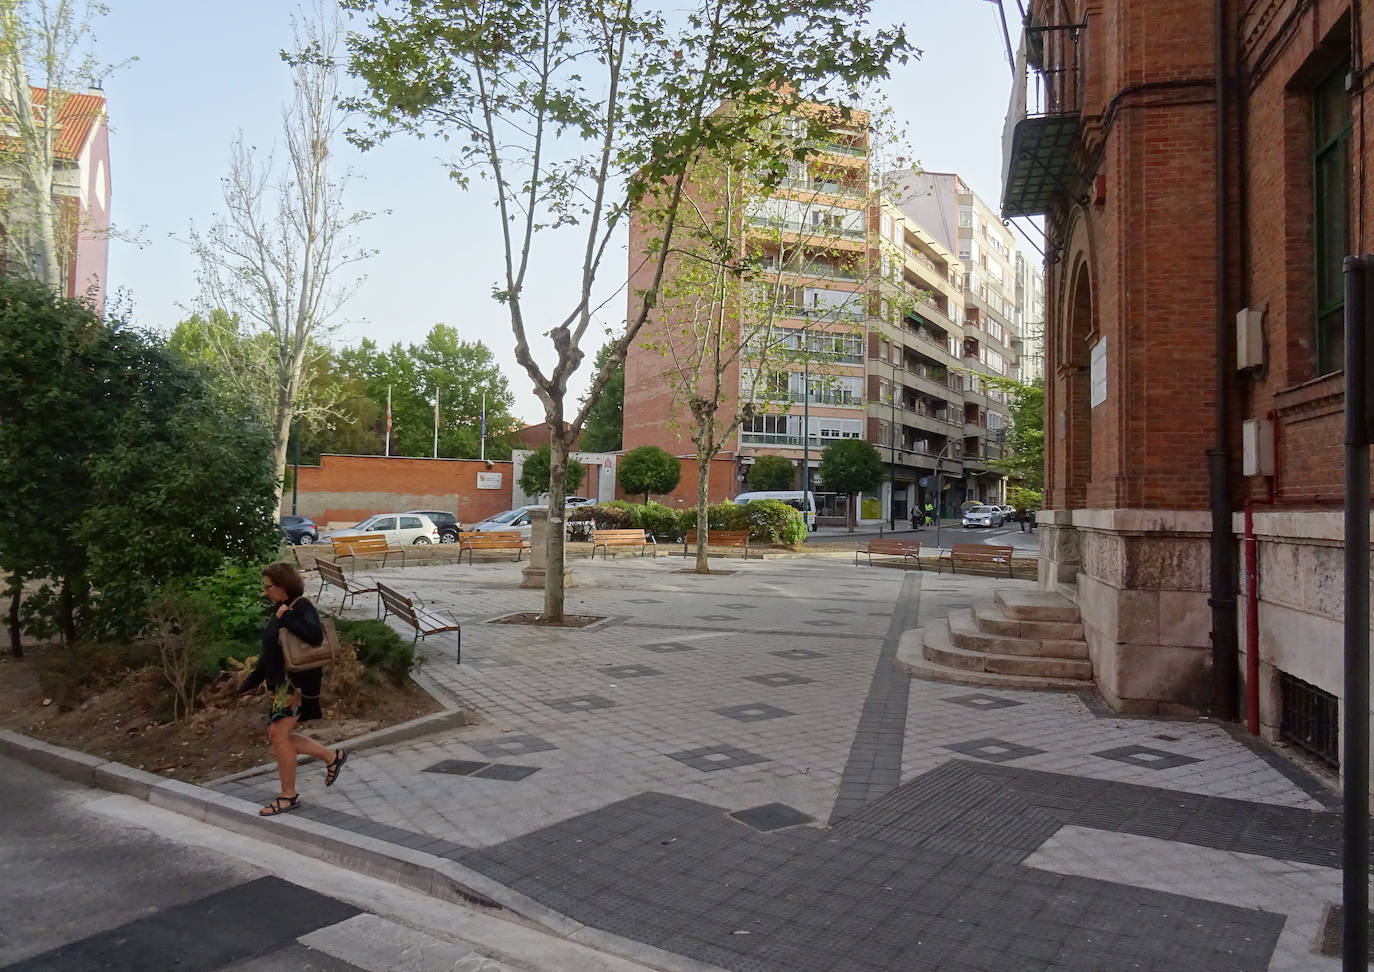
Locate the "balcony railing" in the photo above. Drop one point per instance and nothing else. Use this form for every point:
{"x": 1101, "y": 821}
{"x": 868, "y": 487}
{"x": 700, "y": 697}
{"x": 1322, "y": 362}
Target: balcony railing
{"x": 840, "y": 148}
{"x": 1041, "y": 131}
{"x": 824, "y": 271}
{"x": 822, "y": 313}
{"x": 823, "y": 187}
{"x": 799, "y": 227}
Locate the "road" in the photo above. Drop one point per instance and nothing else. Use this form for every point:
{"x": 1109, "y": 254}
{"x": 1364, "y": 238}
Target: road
{"x": 91, "y": 880}
{"x": 1026, "y": 543}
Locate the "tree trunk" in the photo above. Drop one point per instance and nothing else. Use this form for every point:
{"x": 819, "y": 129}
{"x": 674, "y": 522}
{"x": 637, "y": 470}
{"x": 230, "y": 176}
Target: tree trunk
{"x": 280, "y": 437}
{"x": 852, "y": 514}
{"x": 16, "y": 597}
{"x": 557, "y": 536}
{"x": 703, "y": 483}
{"x": 68, "y": 611}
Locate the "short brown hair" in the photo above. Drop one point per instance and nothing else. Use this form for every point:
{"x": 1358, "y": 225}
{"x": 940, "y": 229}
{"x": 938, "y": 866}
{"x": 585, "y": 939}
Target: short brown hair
{"x": 286, "y": 577}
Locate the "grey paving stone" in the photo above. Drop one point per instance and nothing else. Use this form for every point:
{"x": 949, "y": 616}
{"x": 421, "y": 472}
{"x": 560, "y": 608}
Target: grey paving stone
{"x": 771, "y": 816}
{"x": 629, "y": 671}
{"x": 981, "y": 702}
{"x": 779, "y": 679}
{"x": 507, "y": 772}
{"x": 752, "y": 712}
{"x": 709, "y": 759}
{"x": 996, "y": 750}
{"x": 512, "y": 745}
{"x": 1155, "y": 759}
{"x": 580, "y": 703}
{"x": 456, "y": 767}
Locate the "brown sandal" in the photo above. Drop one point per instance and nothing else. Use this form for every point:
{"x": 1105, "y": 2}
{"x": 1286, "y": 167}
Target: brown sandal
{"x": 281, "y": 804}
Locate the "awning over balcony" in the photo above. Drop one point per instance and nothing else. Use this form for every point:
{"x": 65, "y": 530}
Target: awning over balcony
{"x": 1041, "y": 130}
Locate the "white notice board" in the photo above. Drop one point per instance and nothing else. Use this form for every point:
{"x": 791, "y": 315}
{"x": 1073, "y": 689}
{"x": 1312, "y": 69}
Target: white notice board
{"x": 1098, "y": 393}
{"x": 488, "y": 480}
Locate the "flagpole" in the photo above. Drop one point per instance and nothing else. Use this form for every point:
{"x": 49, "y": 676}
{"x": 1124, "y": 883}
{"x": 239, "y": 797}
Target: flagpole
{"x": 436, "y": 423}
{"x": 484, "y": 426}
{"x": 388, "y": 420}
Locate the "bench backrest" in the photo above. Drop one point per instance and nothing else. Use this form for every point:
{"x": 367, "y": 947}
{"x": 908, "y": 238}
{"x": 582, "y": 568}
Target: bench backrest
{"x": 398, "y": 604}
{"x": 493, "y": 538}
{"x": 331, "y": 572}
{"x": 363, "y": 543}
{"x": 721, "y": 538}
{"x": 599, "y": 535}
{"x": 980, "y": 550}
{"x": 896, "y": 546}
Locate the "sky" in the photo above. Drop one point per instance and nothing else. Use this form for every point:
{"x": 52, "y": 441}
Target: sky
{"x": 207, "y": 71}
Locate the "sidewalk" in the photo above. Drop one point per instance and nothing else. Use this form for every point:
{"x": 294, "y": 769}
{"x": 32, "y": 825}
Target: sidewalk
{"x": 731, "y": 770}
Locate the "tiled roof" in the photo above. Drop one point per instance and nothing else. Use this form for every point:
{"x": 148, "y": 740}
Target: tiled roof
{"x": 77, "y": 117}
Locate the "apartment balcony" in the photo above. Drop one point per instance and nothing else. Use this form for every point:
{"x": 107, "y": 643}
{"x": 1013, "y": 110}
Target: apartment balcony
{"x": 837, "y": 399}
{"x": 972, "y": 429}
{"x": 822, "y": 187}
{"x": 814, "y": 271}
{"x": 1043, "y": 119}
{"x": 821, "y": 313}
{"x": 841, "y": 148}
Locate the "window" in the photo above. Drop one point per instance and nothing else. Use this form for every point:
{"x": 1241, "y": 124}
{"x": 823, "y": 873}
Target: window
{"x": 411, "y": 523}
{"x": 1331, "y": 180}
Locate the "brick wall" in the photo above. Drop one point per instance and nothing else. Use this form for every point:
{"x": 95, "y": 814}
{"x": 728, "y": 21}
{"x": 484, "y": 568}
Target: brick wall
{"x": 350, "y": 488}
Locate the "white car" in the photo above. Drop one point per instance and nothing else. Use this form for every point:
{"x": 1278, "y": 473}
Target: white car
{"x": 982, "y": 516}
{"x": 578, "y": 501}
{"x": 398, "y": 528}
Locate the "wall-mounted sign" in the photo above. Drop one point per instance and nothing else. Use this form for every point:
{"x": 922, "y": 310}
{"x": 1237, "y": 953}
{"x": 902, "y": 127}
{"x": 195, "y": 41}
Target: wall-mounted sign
{"x": 488, "y": 480}
{"x": 606, "y": 465}
{"x": 1098, "y": 373}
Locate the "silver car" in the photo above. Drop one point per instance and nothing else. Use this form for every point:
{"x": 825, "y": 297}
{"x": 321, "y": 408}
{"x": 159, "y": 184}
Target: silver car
{"x": 982, "y": 516}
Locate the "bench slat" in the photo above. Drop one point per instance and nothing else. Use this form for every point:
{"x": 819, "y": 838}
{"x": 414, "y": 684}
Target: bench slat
{"x": 492, "y": 540}
{"x": 886, "y": 546}
{"x": 424, "y": 623}
{"x": 979, "y": 553}
{"x": 605, "y": 539}
{"x": 719, "y": 538}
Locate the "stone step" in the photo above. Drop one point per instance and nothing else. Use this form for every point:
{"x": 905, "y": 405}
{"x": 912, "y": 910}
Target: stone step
{"x": 939, "y": 648}
{"x": 1037, "y": 606}
{"x": 964, "y": 633}
{"x": 987, "y": 614}
{"x": 912, "y": 660}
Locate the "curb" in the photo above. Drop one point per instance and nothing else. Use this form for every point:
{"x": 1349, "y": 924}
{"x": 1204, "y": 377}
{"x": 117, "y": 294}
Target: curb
{"x": 436, "y": 876}
{"x": 422, "y": 726}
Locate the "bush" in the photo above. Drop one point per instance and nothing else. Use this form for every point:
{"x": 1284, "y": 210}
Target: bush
{"x": 378, "y": 647}
{"x": 615, "y": 515}
{"x": 771, "y": 472}
{"x": 726, "y": 516}
{"x": 773, "y": 521}
{"x": 659, "y": 521}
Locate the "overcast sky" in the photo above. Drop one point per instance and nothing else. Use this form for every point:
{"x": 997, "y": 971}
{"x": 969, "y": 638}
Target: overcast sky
{"x": 207, "y": 70}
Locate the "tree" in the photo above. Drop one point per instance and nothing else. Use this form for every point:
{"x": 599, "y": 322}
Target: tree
{"x": 851, "y": 466}
{"x": 44, "y": 44}
{"x": 771, "y": 472}
{"x": 647, "y": 470}
{"x": 605, "y": 427}
{"x": 575, "y": 113}
{"x": 275, "y": 255}
{"x": 1023, "y": 446}
{"x": 534, "y": 475}
{"x": 162, "y": 475}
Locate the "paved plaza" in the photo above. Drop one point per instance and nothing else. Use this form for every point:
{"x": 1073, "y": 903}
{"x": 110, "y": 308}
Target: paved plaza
{"x": 733, "y": 769}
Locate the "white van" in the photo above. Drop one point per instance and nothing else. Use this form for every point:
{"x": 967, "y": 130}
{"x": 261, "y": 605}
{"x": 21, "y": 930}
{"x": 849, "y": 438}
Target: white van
{"x": 792, "y": 497}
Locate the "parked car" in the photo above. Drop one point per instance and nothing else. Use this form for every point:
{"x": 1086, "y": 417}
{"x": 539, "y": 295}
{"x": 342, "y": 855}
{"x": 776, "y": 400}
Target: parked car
{"x": 516, "y": 519}
{"x": 578, "y": 501}
{"x": 399, "y": 528}
{"x": 982, "y": 516}
{"x": 298, "y": 529}
{"x": 1008, "y": 512}
{"x": 448, "y": 524}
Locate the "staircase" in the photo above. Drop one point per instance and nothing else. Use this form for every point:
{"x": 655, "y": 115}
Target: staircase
{"x": 1020, "y": 639}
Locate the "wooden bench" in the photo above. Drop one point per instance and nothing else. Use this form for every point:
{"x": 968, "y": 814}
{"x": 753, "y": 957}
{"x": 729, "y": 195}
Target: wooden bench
{"x": 494, "y": 540}
{"x": 412, "y": 612}
{"x": 332, "y": 575}
{"x": 719, "y": 538}
{"x": 606, "y": 539}
{"x": 888, "y": 547}
{"x": 980, "y": 554}
{"x": 366, "y": 545}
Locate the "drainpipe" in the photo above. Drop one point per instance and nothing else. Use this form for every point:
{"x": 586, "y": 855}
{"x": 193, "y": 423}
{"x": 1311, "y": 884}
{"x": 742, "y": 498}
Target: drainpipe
{"x": 1225, "y": 666}
{"x": 1252, "y": 666}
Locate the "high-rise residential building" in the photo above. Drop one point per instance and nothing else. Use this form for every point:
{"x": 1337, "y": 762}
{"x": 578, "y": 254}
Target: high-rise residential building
{"x": 878, "y": 301}
{"x": 1028, "y": 319}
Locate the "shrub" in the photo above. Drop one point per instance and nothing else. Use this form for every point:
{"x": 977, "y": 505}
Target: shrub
{"x": 773, "y": 521}
{"x": 771, "y": 472}
{"x": 647, "y": 470}
{"x": 726, "y": 516}
{"x": 378, "y": 647}
{"x": 659, "y": 521}
{"x": 615, "y": 515}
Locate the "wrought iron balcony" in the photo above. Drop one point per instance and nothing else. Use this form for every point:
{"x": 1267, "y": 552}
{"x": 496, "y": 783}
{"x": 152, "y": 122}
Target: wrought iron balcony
{"x": 1043, "y": 119}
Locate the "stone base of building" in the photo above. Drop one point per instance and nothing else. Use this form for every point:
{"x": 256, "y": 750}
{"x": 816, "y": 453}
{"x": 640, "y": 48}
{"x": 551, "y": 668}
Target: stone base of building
{"x": 1140, "y": 579}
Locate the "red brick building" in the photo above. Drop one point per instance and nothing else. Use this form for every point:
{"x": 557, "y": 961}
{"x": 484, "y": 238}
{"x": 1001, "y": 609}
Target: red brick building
{"x": 1197, "y": 206}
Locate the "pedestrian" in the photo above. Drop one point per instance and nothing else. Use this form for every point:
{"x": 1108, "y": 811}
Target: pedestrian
{"x": 930, "y": 514}
{"x": 915, "y": 518}
{"x": 1022, "y": 519}
{"x": 295, "y": 695}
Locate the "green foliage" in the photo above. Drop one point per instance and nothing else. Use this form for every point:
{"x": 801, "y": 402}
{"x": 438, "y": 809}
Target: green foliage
{"x": 1023, "y": 448}
{"x": 727, "y": 516}
{"x": 648, "y": 471}
{"x": 163, "y": 475}
{"x": 535, "y": 474}
{"x": 773, "y": 521}
{"x": 771, "y": 472}
{"x": 659, "y": 521}
{"x": 851, "y": 466}
{"x": 605, "y": 516}
{"x": 1024, "y": 499}
{"x": 378, "y": 647}
{"x": 603, "y": 430}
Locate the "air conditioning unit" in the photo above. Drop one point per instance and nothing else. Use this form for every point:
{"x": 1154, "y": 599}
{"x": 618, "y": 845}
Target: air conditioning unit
{"x": 1257, "y": 447}
{"x": 1249, "y": 338}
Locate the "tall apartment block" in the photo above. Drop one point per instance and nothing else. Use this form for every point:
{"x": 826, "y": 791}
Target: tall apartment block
{"x": 895, "y": 341}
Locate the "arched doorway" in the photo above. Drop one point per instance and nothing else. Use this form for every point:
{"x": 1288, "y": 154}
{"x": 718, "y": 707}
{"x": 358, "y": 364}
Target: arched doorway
{"x": 1079, "y": 432}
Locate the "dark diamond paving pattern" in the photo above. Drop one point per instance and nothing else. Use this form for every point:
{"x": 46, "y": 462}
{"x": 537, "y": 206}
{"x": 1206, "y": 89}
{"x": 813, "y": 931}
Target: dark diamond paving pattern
{"x": 580, "y": 703}
{"x": 982, "y": 702}
{"x": 798, "y": 654}
{"x": 511, "y": 745}
{"x": 456, "y": 767}
{"x": 996, "y": 750}
{"x": 752, "y": 712}
{"x": 667, "y": 647}
{"x": 708, "y": 759}
{"x": 629, "y": 671}
{"x": 1156, "y": 759}
{"x": 771, "y": 816}
{"x": 779, "y": 679}
{"x": 680, "y": 875}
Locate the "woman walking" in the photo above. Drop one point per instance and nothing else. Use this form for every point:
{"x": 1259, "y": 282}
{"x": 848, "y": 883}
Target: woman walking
{"x": 295, "y": 695}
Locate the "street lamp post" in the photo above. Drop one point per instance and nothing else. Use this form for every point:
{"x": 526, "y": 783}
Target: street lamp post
{"x": 939, "y": 496}
{"x": 892, "y": 456}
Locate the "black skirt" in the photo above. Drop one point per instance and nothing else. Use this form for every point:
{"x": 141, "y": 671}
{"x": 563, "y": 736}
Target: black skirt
{"x": 298, "y": 696}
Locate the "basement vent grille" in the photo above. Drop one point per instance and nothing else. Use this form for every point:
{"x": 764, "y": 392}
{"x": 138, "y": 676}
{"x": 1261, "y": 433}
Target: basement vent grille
{"x": 1310, "y": 719}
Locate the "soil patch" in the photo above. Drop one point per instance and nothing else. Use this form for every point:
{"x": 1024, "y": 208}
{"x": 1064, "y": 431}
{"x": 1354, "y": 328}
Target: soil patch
{"x": 122, "y": 716}
{"x": 534, "y": 618}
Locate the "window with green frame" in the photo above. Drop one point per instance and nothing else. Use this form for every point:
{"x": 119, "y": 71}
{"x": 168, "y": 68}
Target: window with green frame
{"x": 1331, "y": 127}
